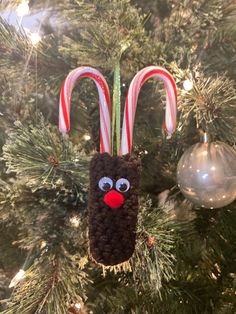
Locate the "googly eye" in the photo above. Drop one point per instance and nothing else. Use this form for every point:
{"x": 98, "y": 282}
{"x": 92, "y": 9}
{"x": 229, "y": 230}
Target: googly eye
{"x": 122, "y": 185}
{"x": 105, "y": 184}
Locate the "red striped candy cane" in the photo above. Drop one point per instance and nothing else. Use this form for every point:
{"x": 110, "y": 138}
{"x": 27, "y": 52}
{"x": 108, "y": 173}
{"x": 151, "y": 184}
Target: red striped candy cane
{"x": 132, "y": 98}
{"x": 104, "y": 103}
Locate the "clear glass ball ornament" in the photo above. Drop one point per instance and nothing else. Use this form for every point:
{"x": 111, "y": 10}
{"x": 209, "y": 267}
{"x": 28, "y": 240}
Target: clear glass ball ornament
{"x": 206, "y": 174}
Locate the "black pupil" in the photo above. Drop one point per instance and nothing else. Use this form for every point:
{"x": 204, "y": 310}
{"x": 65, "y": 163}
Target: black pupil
{"x": 106, "y": 186}
{"x": 123, "y": 187}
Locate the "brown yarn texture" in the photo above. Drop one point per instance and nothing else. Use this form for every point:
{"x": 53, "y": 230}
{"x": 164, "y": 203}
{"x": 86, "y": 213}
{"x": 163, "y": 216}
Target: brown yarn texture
{"x": 112, "y": 232}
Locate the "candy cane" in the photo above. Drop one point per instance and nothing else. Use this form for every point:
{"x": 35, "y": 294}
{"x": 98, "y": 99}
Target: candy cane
{"x": 104, "y": 103}
{"x": 132, "y": 98}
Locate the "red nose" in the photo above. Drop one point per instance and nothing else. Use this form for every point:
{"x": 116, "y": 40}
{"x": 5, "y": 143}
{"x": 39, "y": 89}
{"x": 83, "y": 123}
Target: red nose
{"x": 114, "y": 199}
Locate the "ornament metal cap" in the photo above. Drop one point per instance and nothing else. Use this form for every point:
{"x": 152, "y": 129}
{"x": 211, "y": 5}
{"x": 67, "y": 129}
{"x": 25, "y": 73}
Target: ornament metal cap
{"x": 205, "y": 138}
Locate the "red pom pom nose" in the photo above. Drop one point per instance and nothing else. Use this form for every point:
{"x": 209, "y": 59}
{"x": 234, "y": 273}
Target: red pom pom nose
{"x": 114, "y": 199}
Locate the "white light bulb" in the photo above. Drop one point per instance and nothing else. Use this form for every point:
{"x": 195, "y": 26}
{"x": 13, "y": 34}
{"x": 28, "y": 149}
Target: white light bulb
{"x": 22, "y": 9}
{"x": 43, "y": 244}
{"x": 87, "y": 137}
{"x": 188, "y": 85}
{"x": 78, "y": 306}
{"x": 18, "y": 277}
{"x": 35, "y": 38}
{"x": 75, "y": 221}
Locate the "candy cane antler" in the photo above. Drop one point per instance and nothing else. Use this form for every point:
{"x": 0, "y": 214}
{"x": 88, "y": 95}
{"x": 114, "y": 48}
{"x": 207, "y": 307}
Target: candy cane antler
{"x": 132, "y": 98}
{"x": 104, "y": 103}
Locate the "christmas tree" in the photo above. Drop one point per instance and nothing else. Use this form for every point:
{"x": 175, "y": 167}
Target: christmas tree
{"x": 184, "y": 257}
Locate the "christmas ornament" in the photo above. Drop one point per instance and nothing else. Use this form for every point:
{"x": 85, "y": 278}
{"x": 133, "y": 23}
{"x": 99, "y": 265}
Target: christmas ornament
{"x": 114, "y": 180}
{"x": 132, "y": 98}
{"x": 206, "y": 174}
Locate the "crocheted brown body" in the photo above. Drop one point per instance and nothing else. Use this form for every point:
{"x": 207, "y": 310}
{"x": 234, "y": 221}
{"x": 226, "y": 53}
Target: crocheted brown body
{"x": 112, "y": 231}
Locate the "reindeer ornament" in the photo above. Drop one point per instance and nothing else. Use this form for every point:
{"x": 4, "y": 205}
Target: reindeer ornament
{"x": 114, "y": 180}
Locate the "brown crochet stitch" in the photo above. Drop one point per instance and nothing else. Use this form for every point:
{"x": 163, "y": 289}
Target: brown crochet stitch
{"x": 112, "y": 231}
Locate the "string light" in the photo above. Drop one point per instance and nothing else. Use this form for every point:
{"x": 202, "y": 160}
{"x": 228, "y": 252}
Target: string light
{"x": 87, "y": 137}
{"x": 35, "y": 38}
{"x": 213, "y": 276}
{"x": 43, "y": 244}
{"x": 188, "y": 85}
{"x": 18, "y": 277}
{"x": 23, "y": 9}
{"x": 75, "y": 308}
{"x": 145, "y": 152}
{"x": 75, "y": 221}
{"x": 78, "y": 306}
